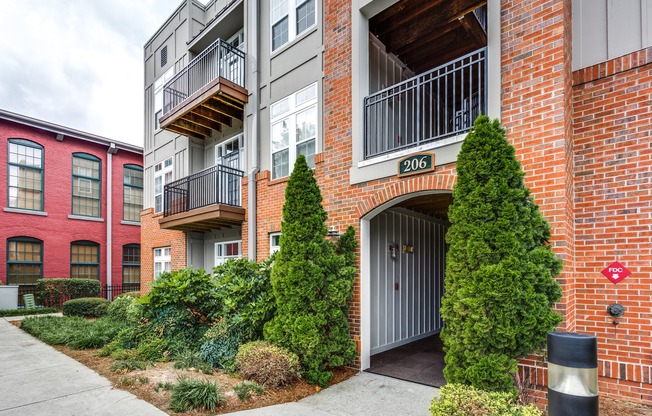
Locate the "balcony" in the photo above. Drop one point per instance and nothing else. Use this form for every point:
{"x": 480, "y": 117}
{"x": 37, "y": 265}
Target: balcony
{"x": 207, "y": 94}
{"x": 206, "y": 200}
{"x": 427, "y": 108}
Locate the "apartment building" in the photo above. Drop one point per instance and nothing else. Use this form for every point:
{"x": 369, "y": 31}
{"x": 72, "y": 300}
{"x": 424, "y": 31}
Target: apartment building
{"x": 72, "y": 205}
{"x": 378, "y": 95}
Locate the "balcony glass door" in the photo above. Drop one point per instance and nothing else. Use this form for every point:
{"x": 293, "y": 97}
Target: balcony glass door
{"x": 230, "y": 154}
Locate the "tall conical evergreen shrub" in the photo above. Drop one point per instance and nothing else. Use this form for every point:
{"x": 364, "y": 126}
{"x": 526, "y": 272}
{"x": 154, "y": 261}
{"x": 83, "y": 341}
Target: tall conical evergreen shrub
{"x": 312, "y": 279}
{"x": 500, "y": 269}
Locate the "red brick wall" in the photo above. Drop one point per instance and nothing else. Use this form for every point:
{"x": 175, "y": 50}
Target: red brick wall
{"x": 152, "y": 237}
{"x": 56, "y": 230}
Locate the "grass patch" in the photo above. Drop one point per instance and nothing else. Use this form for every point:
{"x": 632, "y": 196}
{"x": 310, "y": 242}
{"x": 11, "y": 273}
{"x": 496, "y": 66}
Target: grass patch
{"x": 191, "y": 360}
{"x": 74, "y": 332}
{"x": 125, "y": 366}
{"x": 243, "y": 390}
{"x": 27, "y": 312}
{"x": 190, "y": 394}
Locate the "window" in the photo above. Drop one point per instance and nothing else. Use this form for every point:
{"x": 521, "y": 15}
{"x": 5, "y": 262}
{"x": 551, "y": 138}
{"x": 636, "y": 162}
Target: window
{"x": 158, "y": 95}
{"x": 164, "y": 56}
{"x": 294, "y": 130}
{"x": 274, "y": 243}
{"x": 162, "y": 176}
{"x": 24, "y": 260}
{"x": 85, "y": 260}
{"x": 226, "y": 251}
{"x": 86, "y": 185}
{"x": 162, "y": 260}
{"x": 131, "y": 264}
{"x": 290, "y": 18}
{"x": 132, "y": 192}
{"x": 25, "y": 175}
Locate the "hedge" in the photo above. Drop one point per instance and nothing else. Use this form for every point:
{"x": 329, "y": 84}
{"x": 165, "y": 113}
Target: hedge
{"x": 53, "y": 292}
{"x": 86, "y": 307}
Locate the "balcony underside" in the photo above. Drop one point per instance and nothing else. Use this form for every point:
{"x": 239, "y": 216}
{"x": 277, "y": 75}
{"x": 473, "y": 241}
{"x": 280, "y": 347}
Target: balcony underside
{"x": 213, "y": 106}
{"x": 205, "y": 219}
{"x": 427, "y": 33}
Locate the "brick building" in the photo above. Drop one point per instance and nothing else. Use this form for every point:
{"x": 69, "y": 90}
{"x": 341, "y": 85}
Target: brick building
{"x": 72, "y": 204}
{"x": 359, "y": 86}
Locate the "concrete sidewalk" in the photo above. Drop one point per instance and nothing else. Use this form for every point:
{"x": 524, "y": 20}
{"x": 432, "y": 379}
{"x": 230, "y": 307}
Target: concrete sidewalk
{"x": 36, "y": 379}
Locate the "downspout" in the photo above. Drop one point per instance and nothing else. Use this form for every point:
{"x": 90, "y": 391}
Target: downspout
{"x": 252, "y": 37}
{"x": 109, "y": 216}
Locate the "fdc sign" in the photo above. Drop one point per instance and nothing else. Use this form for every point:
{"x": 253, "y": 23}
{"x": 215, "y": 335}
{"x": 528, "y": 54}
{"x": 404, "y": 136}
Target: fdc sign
{"x": 616, "y": 272}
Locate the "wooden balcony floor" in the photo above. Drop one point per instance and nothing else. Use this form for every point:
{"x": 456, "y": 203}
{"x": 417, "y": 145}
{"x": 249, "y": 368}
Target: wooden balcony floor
{"x": 204, "y": 219}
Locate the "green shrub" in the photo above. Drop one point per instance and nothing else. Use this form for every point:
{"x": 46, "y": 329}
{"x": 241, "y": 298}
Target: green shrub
{"x": 500, "y": 268}
{"x": 244, "y": 389}
{"x": 190, "y": 359}
{"x": 312, "y": 280}
{"x": 118, "y": 308}
{"x": 220, "y": 345}
{"x": 53, "y": 292}
{"x": 125, "y": 366}
{"x": 75, "y": 332}
{"x": 190, "y": 394}
{"x": 460, "y": 400}
{"x": 267, "y": 364}
{"x": 86, "y": 307}
{"x": 135, "y": 294}
{"x": 26, "y": 312}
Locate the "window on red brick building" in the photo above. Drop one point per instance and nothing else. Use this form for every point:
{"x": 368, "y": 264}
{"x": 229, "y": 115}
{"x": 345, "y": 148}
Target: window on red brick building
{"x": 25, "y": 175}
{"x": 86, "y": 185}
{"x": 132, "y": 192}
{"x": 162, "y": 260}
{"x": 131, "y": 264}
{"x": 85, "y": 260}
{"x": 24, "y": 260}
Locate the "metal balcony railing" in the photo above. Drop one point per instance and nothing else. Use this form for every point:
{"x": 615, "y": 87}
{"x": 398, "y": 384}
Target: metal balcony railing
{"x": 440, "y": 103}
{"x": 221, "y": 59}
{"x": 215, "y": 185}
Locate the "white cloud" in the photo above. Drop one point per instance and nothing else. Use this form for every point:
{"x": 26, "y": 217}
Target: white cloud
{"x": 78, "y": 63}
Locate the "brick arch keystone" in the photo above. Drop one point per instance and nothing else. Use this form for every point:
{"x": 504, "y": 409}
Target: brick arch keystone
{"x": 403, "y": 187}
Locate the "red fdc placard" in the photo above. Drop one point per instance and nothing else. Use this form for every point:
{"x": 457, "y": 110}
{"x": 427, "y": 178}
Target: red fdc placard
{"x": 616, "y": 272}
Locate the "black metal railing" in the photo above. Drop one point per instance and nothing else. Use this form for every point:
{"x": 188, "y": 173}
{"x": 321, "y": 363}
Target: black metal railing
{"x": 107, "y": 292}
{"x": 216, "y": 185}
{"x": 431, "y": 106}
{"x": 221, "y": 59}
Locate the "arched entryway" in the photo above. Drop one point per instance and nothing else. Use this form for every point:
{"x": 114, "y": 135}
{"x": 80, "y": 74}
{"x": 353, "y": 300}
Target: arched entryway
{"x": 403, "y": 254}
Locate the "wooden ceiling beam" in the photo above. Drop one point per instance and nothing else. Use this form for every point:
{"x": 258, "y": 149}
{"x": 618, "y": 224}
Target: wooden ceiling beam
{"x": 190, "y": 126}
{"x": 221, "y": 107}
{"x": 184, "y": 132}
{"x": 203, "y": 121}
{"x": 472, "y": 26}
{"x": 213, "y": 115}
{"x": 407, "y": 17}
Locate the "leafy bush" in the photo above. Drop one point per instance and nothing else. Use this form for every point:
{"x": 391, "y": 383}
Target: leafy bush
{"x": 244, "y": 389}
{"x": 220, "y": 345}
{"x": 134, "y": 294}
{"x": 118, "y": 308}
{"x": 75, "y": 332}
{"x": 500, "y": 268}
{"x": 26, "y": 312}
{"x": 312, "y": 281}
{"x": 125, "y": 366}
{"x": 190, "y": 394}
{"x": 267, "y": 364}
{"x": 190, "y": 359}
{"x": 53, "y": 292}
{"x": 460, "y": 400}
{"x": 86, "y": 307}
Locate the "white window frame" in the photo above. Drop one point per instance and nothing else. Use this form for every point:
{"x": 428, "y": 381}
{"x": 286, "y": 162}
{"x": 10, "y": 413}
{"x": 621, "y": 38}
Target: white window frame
{"x": 287, "y": 110}
{"x": 281, "y": 9}
{"x": 221, "y": 149}
{"x": 221, "y": 247}
{"x": 162, "y": 260}
{"x": 165, "y": 172}
{"x": 158, "y": 95}
{"x": 273, "y": 248}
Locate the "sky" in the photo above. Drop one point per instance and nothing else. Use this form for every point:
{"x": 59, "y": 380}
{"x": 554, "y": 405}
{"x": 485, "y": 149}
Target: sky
{"x": 79, "y": 63}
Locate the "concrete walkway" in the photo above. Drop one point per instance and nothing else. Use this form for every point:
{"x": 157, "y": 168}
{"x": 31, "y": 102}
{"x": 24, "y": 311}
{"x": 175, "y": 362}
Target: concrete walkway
{"x": 36, "y": 379}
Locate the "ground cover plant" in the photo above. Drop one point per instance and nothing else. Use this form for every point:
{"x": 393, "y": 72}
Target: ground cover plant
{"x": 74, "y": 332}
{"x": 312, "y": 279}
{"x": 27, "y": 312}
{"x": 500, "y": 268}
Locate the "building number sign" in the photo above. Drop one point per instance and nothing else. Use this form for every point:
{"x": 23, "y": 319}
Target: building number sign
{"x": 416, "y": 163}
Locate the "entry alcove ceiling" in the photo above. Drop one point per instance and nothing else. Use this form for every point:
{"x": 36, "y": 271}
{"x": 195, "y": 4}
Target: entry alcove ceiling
{"x": 434, "y": 205}
{"x": 427, "y": 33}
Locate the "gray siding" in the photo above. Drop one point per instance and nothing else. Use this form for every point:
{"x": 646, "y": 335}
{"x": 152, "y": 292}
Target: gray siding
{"x": 607, "y": 29}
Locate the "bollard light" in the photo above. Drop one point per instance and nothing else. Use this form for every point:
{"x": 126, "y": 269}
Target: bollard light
{"x": 572, "y": 374}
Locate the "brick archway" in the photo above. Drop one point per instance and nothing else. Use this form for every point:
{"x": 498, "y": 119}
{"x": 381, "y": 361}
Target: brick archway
{"x": 437, "y": 182}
